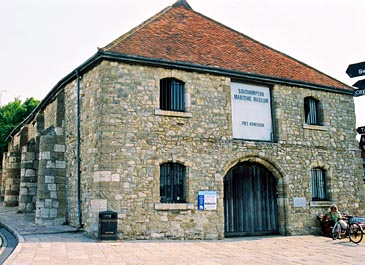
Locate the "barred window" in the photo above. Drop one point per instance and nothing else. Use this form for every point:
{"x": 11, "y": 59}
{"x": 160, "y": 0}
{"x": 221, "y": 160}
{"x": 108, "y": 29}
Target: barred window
{"x": 172, "y": 183}
{"x": 172, "y": 94}
{"x": 312, "y": 110}
{"x": 319, "y": 191}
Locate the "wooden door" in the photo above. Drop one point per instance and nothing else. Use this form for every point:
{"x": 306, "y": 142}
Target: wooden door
{"x": 250, "y": 204}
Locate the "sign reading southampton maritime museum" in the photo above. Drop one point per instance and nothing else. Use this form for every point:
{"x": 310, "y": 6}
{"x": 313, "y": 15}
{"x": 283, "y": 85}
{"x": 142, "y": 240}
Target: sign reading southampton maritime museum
{"x": 251, "y": 112}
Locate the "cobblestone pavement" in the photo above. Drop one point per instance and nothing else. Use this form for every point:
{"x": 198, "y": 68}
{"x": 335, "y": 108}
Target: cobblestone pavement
{"x": 63, "y": 245}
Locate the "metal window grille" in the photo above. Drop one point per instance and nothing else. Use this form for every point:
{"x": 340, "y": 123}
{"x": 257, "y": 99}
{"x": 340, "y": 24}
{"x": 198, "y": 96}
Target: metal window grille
{"x": 172, "y": 94}
{"x": 311, "y": 107}
{"x": 172, "y": 183}
{"x": 319, "y": 192}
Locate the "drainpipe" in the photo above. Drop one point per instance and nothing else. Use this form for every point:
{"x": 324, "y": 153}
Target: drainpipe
{"x": 78, "y": 149}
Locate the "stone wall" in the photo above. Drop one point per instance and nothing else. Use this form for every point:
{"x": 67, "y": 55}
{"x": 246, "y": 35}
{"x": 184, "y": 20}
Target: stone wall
{"x": 3, "y": 177}
{"x": 29, "y": 166}
{"x": 125, "y": 138}
{"x": 51, "y": 205}
{"x": 35, "y": 166}
{"x": 12, "y": 165}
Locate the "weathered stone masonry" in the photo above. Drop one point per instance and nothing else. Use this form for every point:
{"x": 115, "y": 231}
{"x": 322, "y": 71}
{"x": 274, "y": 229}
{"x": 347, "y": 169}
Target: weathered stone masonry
{"x": 128, "y": 138}
{"x": 125, "y": 138}
{"x": 99, "y": 140}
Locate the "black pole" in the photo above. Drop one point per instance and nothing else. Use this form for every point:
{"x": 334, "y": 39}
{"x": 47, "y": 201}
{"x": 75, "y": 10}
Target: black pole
{"x": 78, "y": 150}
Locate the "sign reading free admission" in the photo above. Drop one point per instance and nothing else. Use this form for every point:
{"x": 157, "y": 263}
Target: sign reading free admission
{"x": 251, "y": 112}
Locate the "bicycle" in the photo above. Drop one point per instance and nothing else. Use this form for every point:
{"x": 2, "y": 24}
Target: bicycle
{"x": 353, "y": 230}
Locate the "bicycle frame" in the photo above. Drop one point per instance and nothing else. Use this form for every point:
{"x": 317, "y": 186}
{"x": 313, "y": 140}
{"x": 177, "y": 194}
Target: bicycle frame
{"x": 353, "y": 230}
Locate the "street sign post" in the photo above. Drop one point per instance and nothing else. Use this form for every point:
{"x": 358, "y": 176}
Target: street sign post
{"x": 360, "y": 130}
{"x": 359, "y": 92}
{"x": 356, "y": 69}
{"x": 362, "y": 142}
{"x": 360, "y": 84}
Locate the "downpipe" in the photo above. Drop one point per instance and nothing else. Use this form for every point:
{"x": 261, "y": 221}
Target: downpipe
{"x": 79, "y": 148}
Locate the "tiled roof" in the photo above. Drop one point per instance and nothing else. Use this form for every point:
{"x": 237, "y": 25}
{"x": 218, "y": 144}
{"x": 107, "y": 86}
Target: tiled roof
{"x": 179, "y": 34}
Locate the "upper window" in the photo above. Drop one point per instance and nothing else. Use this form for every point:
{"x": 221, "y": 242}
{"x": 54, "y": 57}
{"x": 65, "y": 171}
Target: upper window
{"x": 172, "y": 183}
{"x": 172, "y": 94}
{"x": 319, "y": 191}
{"x": 312, "y": 111}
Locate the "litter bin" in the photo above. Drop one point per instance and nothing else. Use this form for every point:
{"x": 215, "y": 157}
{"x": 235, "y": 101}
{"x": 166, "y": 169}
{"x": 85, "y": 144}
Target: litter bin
{"x": 108, "y": 225}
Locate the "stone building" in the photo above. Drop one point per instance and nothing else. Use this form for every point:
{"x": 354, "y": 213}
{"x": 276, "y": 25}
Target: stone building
{"x": 187, "y": 129}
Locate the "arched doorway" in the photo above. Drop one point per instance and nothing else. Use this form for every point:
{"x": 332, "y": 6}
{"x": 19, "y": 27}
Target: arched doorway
{"x": 250, "y": 201}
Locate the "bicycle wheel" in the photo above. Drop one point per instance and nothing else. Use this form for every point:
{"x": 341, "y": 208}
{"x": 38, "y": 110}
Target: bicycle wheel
{"x": 335, "y": 235}
{"x": 355, "y": 233}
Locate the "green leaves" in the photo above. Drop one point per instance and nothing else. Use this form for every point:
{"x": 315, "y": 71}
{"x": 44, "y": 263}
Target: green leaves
{"x": 13, "y": 114}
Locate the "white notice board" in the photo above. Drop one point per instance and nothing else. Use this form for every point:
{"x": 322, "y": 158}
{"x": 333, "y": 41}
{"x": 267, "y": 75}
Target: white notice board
{"x": 251, "y": 112}
{"x": 207, "y": 200}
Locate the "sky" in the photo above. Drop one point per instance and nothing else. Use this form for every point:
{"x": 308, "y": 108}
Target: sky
{"x": 41, "y": 41}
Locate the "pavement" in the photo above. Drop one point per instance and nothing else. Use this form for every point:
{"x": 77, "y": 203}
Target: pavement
{"x": 40, "y": 245}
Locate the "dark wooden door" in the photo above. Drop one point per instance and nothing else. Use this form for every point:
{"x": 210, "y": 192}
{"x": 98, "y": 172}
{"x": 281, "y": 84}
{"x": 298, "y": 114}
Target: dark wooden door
{"x": 250, "y": 204}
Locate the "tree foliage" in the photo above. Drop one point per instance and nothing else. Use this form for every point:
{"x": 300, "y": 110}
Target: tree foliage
{"x": 11, "y": 115}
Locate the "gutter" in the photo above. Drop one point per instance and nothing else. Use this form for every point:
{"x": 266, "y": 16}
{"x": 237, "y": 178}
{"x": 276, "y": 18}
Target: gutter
{"x": 112, "y": 56}
{"x": 220, "y": 71}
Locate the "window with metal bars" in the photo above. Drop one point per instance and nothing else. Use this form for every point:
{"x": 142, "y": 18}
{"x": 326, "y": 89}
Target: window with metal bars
{"x": 172, "y": 183}
{"x": 319, "y": 191}
{"x": 172, "y": 94}
{"x": 312, "y": 110}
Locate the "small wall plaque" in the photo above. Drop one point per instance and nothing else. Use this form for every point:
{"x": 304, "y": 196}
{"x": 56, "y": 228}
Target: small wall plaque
{"x": 299, "y": 202}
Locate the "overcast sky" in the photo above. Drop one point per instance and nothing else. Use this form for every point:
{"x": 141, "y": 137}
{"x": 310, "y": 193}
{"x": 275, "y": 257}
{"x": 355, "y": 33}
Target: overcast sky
{"x": 41, "y": 41}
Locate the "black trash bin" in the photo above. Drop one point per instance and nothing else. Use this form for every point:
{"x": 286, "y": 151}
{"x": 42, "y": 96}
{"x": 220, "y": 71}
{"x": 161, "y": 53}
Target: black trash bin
{"x": 108, "y": 225}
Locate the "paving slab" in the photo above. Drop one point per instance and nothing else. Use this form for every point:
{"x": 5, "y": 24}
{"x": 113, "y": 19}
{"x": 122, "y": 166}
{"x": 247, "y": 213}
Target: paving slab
{"x": 40, "y": 245}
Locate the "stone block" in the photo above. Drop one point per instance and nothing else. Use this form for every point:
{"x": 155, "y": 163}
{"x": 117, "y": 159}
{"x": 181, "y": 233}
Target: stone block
{"x": 45, "y": 212}
{"x": 53, "y": 213}
{"x": 60, "y": 180}
{"x": 59, "y": 131}
{"x": 53, "y": 195}
{"x": 102, "y": 176}
{"x": 115, "y": 177}
{"x": 23, "y": 191}
{"x": 52, "y": 187}
{"x": 49, "y": 179}
{"x": 59, "y": 148}
{"x": 30, "y": 172}
{"x": 48, "y": 203}
{"x": 40, "y": 204}
{"x": 99, "y": 205}
{"x": 44, "y": 155}
{"x": 60, "y": 164}
{"x": 50, "y": 164}
{"x": 33, "y": 191}
{"x": 55, "y": 204}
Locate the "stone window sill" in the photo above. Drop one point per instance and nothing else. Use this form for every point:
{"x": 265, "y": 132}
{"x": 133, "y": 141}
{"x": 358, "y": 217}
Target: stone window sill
{"x": 320, "y": 203}
{"x": 315, "y": 127}
{"x": 174, "y": 206}
{"x": 160, "y": 112}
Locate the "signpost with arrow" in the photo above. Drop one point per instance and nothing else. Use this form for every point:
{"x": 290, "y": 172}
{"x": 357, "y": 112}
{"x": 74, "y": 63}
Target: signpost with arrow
{"x": 355, "y": 70}
{"x": 361, "y": 130}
